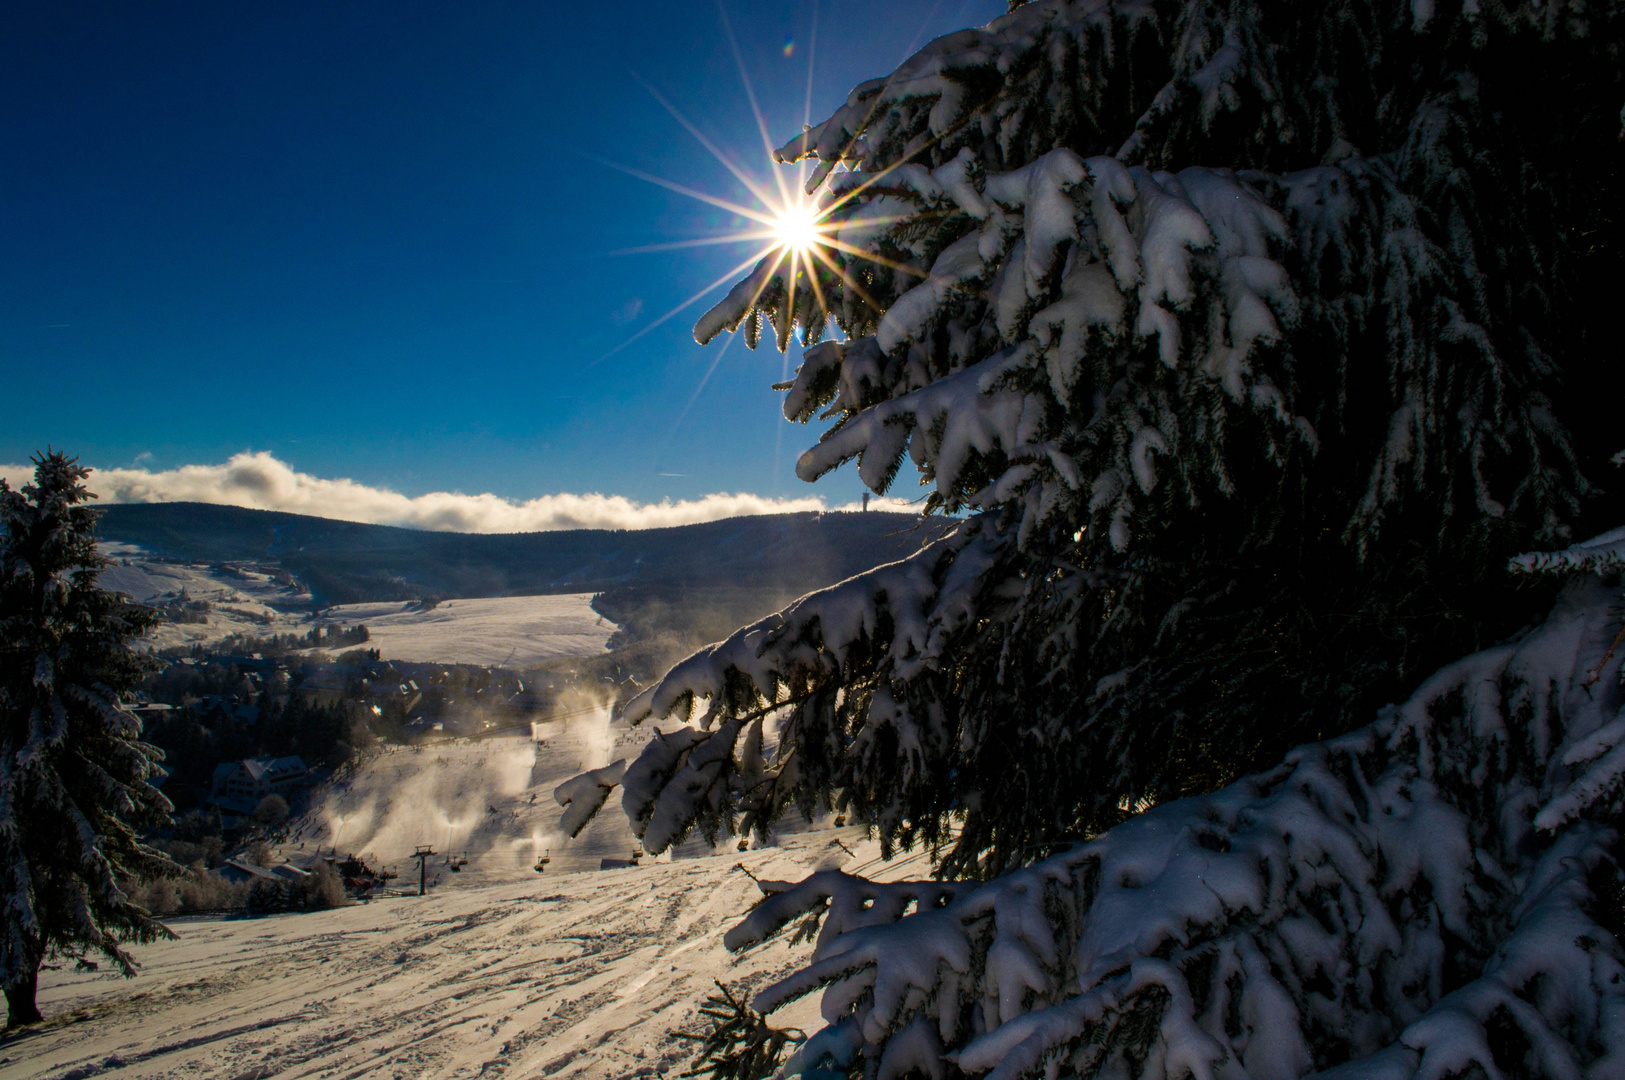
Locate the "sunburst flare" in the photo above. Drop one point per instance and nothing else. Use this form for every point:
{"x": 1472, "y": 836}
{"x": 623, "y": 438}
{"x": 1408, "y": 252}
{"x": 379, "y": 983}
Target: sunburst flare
{"x": 788, "y": 229}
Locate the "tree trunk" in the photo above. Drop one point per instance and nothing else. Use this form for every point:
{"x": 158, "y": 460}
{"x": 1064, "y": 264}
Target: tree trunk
{"x": 20, "y": 1005}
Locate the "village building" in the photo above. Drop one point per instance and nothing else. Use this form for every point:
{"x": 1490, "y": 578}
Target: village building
{"x": 150, "y": 711}
{"x": 326, "y": 684}
{"x": 214, "y": 709}
{"x": 239, "y": 786}
{"x": 239, "y": 871}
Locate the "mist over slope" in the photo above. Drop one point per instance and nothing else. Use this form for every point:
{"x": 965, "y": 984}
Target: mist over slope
{"x": 344, "y": 562}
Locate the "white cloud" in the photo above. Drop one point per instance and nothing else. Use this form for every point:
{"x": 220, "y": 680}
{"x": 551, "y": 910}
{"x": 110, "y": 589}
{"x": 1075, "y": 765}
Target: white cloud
{"x": 261, "y": 482}
{"x": 16, "y": 475}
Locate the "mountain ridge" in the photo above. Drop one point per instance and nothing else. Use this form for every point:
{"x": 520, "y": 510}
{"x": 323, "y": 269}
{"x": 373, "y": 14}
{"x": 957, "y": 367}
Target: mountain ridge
{"x": 350, "y": 562}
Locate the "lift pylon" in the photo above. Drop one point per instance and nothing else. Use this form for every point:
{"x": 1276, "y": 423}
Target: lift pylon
{"x": 422, "y": 856}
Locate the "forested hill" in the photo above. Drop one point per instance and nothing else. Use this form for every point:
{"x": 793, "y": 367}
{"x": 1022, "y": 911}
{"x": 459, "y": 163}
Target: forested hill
{"x": 346, "y": 562}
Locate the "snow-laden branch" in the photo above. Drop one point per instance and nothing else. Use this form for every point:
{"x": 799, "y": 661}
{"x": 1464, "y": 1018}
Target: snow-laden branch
{"x": 971, "y": 233}
{"x": 583, "y": 796}
{"x": 1154, "y": 293}
{"x": 812, "y": 637}
{"x": 1380, "y": 902}
{"x": 1600, "y": 555}
{"x": 893, "y": 622}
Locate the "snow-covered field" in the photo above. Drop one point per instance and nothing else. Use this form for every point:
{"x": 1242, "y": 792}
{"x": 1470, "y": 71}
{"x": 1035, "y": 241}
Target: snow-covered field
{"x": 497, "y": 631}
{"x": 503, "y": 631}
{"x": 499, "y": 971}
{"x": 576, "y": 975}
{"x": 242, "y": 601}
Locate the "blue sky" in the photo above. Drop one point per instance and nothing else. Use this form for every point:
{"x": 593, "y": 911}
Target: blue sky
{"x": 374, "y": 240}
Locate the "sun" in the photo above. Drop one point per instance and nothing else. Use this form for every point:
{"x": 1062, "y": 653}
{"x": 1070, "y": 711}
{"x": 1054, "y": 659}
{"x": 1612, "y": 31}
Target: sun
{"x": 796, "y": 239}
{"x": 796, "y": 227}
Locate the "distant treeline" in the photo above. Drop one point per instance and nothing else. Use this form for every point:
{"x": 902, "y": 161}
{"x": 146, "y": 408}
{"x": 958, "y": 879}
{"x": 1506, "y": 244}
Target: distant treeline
{"x": 321, "y": 637}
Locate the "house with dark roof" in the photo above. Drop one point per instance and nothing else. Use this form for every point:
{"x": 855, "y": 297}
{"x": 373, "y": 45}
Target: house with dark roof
{"x": 239, "y": 785}
{"x": 213, "y": 709}
{"x": 241, "y": 870}
{"x": 238, "y": 871}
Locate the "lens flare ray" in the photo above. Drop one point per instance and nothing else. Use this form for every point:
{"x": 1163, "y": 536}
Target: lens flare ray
{"x": 692, "y": 300}
{"x": 742, "y": 237}
{"x": 725, "y": 159}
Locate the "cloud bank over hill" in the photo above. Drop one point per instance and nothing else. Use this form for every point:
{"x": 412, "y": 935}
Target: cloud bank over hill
{"x": 260, "y": 481}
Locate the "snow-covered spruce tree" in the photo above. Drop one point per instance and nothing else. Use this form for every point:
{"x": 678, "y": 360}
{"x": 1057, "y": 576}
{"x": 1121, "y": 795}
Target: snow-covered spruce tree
{"x": 1235, "y": 328}
{"x": 74, "y": 775}
{"x": 1236, "y": 332}
{"x": 1436, "y": 895}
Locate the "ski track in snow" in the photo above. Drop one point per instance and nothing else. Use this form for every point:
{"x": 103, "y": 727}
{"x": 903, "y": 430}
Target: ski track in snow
{"x": 499, "y": 971}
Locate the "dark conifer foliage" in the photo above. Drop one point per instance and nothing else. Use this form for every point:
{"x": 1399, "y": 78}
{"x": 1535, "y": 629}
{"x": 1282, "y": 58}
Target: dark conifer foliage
{"x": 75, "y": 788}
{"x": 1250, "y": 341}
{"x": 1251, "y": 337}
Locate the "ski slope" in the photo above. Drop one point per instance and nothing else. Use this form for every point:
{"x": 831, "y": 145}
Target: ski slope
{"x": 489, "y": 799}
{"x": 502, "y": 631}
{"x": 499, "y": 971}
{"x": 581, "y": 975}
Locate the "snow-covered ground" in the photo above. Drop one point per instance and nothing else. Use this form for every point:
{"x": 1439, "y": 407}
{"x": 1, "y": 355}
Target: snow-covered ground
{"x": 497, "y": 631}
{"x": 499, "y": 971}
{"x": 503, "y": 631}
{"x": 573, "y": 971}
{"x": 243, "y": 601}
{"x": 575, "y": 975}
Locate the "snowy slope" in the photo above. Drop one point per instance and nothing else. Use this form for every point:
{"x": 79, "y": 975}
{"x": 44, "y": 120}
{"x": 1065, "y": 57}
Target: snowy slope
{"x": 243, "y": 601}
{"x": 580, "y": 975}
{"x": 503, "y": 631}
{"x": 497, "y": 631}
{"x": 490, "y": 799}
{"x": 500, "y": 971}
